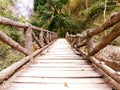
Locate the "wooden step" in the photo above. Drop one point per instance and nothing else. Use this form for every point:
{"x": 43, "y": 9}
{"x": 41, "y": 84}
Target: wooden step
{"x": 60, "y": 69}
{"x": 32, "y": 86}
{"x": 60, "y": 74}
{"x": 61, "y": 61}
{"x": 60, "y": 65}
{"x": 59, "y": 80}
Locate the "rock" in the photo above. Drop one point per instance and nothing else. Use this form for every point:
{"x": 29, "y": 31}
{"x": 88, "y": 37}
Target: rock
{"x": 109, "y": 53}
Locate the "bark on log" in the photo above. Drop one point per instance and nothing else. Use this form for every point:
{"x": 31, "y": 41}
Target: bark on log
{"x": 106, "y": 69}
{"x": 112, "y": 21}
{"x": 83, "y": 43}
{"x": 36, "y": 39}
{"x": 74, "y": 41}
{"x": 107, "y": 40}
{"x": 41, "y": 38}
{"x": 39, "y": 29}
{"x": 50, "y": 35}
{"x": 6, "y": 21}
{"x": 80, "y": 36}
{"x": 12, "y": 43}
{"x": 6, "y": 73}
{"x": 90, "y": 45}
{"x": 28, "y": 39}
{"x": 90, "y": 42}
{"x": 77, "y": 41}
{"x": 47, "y": 37}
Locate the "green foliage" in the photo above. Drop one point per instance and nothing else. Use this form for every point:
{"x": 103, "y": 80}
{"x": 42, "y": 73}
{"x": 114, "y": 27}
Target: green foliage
{"x": 13, "y": 32}
{"x": 64, "y": 1}
{"x": 5, "y": 8}
{"x": 52, "y": 15}
{"x": 4, "y": 51}
{"x": 7, "y": 55}
{"x": 87, "y": 16}
{"x": 10, "y": 57}
{"x": 38, "y": 2}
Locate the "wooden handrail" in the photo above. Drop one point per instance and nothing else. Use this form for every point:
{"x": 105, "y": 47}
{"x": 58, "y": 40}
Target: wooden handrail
{"x": 77, "y": 41}
{"x": 29, "y": 35}
{"x": 106, "y": 40}
{"x": 12, "y": 43}
{"x": 115, "y": 19}
{"x": 44, "y": 40}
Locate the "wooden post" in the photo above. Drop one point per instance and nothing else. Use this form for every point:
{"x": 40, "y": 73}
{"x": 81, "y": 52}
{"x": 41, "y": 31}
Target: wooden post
{"x": 47, "y": 37}
{"x": 90, "y": 42}
{"x": 28, "y": 39}
{"x": 41, "y": 38}
{"x": 74, "y": 40}
{"x": 78, "y": 40}
{"x": 90, "y": 45}
{"x": 55, "y": 35}
{"x": 67, "y": 34}
{"x": 50, "y": 38}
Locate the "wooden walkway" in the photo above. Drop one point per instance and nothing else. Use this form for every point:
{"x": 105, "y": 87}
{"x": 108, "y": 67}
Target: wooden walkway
{"x": 58, "y": 69}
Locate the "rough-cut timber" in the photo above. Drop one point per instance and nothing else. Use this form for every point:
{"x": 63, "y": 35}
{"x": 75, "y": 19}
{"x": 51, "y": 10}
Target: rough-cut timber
{"x": 6, "y": 39}
{"x": 58, "y": 69}
{"x": 28, "y": 39}
{"x": 112, "y": 21}
{"x": 106, "y": 40}
{"x": 36, "y": 40}
{"x": 8, "y": 72}
{"x": 41, "y": 39}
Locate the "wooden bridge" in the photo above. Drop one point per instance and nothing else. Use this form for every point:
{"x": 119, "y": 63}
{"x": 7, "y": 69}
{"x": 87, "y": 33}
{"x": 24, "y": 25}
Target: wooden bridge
{"x": 59, "y": 69}
{"x": 60, "y": 63}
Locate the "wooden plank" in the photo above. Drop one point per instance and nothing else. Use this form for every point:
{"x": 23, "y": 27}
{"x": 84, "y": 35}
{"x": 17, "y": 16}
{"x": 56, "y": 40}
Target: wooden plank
{"x": 60, "y": 61}
{"x": 60, "y": 69}
{"x": 83, "y": 62}
{"x": 61, "y": 74}
{"x": 33, "y": 86}
{"x": 60, "y": 65}
{"x": 62, "y": 55}
{"x": 59, "y": 58}
{"x": 59, "y": 80}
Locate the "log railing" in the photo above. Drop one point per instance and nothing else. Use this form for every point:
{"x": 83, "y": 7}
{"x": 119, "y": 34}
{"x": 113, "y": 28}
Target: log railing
{"x": 43, "y": 40}
{"x": 91, "y": 48}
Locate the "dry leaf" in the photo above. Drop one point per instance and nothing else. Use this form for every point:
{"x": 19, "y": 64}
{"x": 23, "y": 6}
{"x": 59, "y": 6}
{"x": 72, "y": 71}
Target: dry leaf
{"x": 65, "y": 84}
